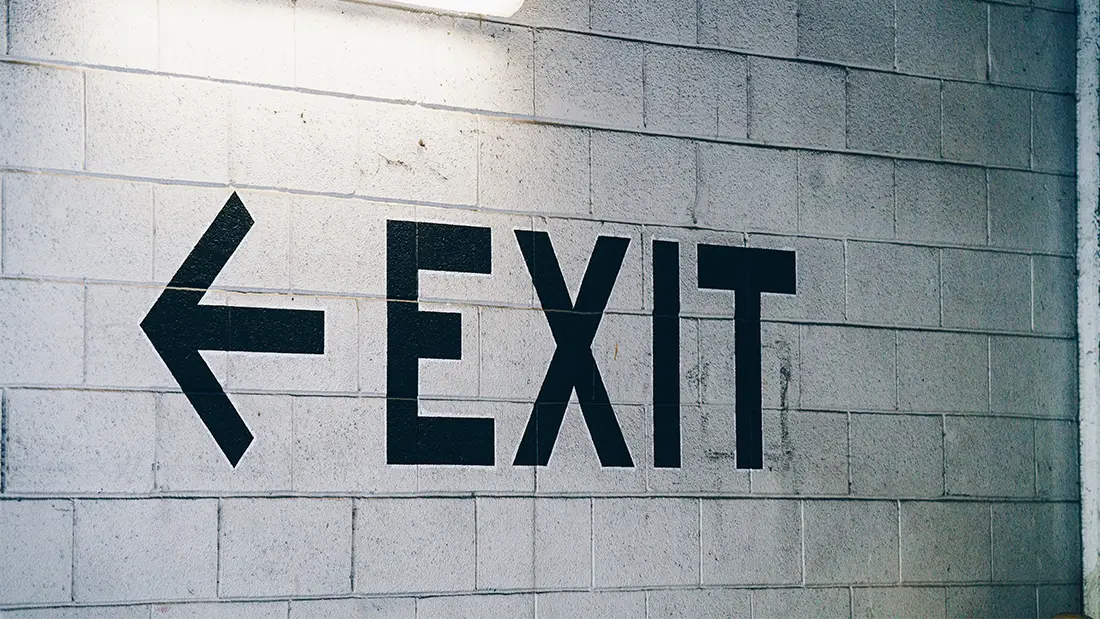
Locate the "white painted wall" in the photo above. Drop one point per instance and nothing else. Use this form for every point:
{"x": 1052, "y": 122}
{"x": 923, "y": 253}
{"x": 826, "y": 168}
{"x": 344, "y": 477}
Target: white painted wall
{"x": 920, "y": 435}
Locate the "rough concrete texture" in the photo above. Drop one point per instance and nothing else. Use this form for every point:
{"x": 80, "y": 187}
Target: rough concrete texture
{"x": 919, "y": 392}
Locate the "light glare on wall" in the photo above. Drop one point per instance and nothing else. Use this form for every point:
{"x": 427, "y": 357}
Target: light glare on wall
{"x": 498, "y": 8}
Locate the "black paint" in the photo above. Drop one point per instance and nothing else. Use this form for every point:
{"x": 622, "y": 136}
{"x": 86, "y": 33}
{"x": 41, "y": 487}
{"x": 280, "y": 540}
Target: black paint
{"x": 748, "y": 272}
{"x": 414, "y": 334}
{"x": 179, "y": 327}
{"x": 666, "y": 354}
{"x": 572, "y": 366}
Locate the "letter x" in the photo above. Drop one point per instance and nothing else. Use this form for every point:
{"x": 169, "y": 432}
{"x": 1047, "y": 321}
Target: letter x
{"x": 574, "y": 327}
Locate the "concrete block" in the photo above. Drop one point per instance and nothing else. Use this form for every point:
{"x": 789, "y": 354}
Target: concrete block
{"x": 183, "y": 214}
{"x": 990, "y": 601}
{"x": 645, "y": 542}
{"x": 336, "y": 370}
{"x": 693, "y": 91}
{"x": 893, "y": 284}
{"x": 893, "y": 113}
{"x": 1056, "y": 459}
{"x": 686, "y": 604}
{"x": 362, "y": 49}
{"x": 564, "y": 14}
{"x": 222, "y": 610}
{"x": 326, "y": 256}
{"x": 944, "y": 542}
{"x": 846, "y": 195}
{"x": 644, "y": 179}
{"x": 803, "y": 453}
{"x": 898, "y": 602}
{"x": 732, "y": 95}
{"x": 746, "y": 188}
{"x": 45, "y": 323}
{"x": 765, "y": 26}
{"x": 1031, "y": 211}
{"x": 1033, "y": 377}
{"x": 141, "y": 125}
{"x": 851, "y": 542}
{"x": 534, "y": 543}
{"x": 897, "y": 455}
{"x": 591, "y": 604}
{"x": 779, "y": 347}
{"x": 514, "y": 371}
{"x": 188, "y": 458}
{"x": 476, "y": 606}
{"x": 575, "y": 467}
{"x": 272, "y": 547}
{"x": 819, "y": 279}
{"x": 941, "y": 38}
{"x": 180, "y": 565}
{"x": 1053, "y": 132}
{"x": 650, "y": 19}
{"x": 255, "y": 40}
{"x": 38, "y": 551}
{"x": 989, "y": 456}
{"x": 510, "y": 422}
{"x": 588, "y": 79}
{"x": 986, "y": 290}
{"x": 510, "y": 282}
{"x": 364, "y": 608}
{"x": 1057, "y": 5}
{"x": 574, "y": 241}
{"x": 796, "y": 103}
{"x": 79, "y": 612}
{"x": 294, "y": 140}
{"x": 849, "y": 31}
{"x": 542, "y": 169}
{"x": 400, "y": 55}
{"x": 414, "y": 545}
{"x": 4, "y": 26}
{"x": 77, "y": 227}
{"x": 1032, "y": 47}
{"x": 340, "y": 446}
{"x": 845, "y": 368}
{"x": 477, "y": 64}
{"x": 79, "y": 441}
{"x": 417, "y": 154}
{"x": 940, "y": 372}
{"x": 940, "y": 203}
{"x": 1054, "y": 281}
{"x": 986, "y": 124}
{"x": 779, "y": 360}
{"x": 79, "y": 32}
{"x": 708, "y": 455}
{"x": 1036, "y": 542}
{"x": 735, "y": 529}
{"x": 562, "y": 541}
{"x": 623, "y": 352}
{"x": 778, "y": 603}
{"x": 41, "y": 117}
{"x": 1059, "y": 599}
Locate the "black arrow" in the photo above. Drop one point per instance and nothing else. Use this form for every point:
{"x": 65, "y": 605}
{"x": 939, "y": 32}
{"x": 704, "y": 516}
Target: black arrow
{"x": 179, "y": 328}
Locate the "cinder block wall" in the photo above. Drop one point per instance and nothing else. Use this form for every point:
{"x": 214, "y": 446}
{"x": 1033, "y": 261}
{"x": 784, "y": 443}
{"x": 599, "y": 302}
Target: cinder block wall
{"x": 919, "y": 389}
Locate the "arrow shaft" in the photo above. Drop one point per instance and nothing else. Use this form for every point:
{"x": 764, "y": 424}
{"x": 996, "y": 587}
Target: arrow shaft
{"x": 261, "y": 329}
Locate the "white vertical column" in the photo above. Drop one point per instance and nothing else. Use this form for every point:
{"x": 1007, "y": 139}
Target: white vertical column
{"x": 1088, "y": 292}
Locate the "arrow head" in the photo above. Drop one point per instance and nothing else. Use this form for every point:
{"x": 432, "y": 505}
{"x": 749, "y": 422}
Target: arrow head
{"x": 179, "y": 327}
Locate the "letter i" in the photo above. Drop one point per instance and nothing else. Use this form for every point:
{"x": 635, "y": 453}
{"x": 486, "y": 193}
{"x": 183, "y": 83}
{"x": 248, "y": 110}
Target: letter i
{"x": 666, "y": 354}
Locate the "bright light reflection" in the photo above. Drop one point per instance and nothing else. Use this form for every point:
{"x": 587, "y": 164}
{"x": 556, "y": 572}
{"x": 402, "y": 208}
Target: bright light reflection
{"x": 498, "y": 8}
